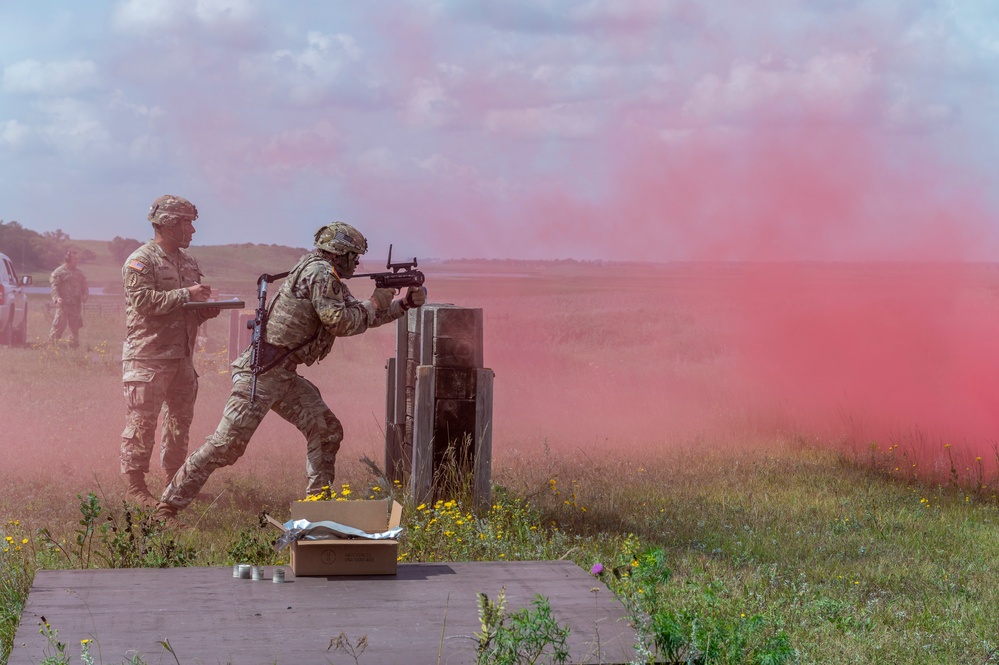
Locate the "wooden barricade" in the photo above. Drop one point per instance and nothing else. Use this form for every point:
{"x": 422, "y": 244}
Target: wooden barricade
{"x": 439, "y": 405}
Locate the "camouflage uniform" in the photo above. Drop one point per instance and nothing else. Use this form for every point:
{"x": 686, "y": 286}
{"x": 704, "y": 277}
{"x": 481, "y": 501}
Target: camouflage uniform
{"x": 70, "y": 285}
{"x": 158, "y": 356}
{"x": 311, "y": 309}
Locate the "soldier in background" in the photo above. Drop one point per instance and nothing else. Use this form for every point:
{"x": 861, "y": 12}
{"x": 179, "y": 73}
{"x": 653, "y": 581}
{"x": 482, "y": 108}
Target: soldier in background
{"x": 69, "y": 293}
{"x": 311, "y": 309}
{"x": 160, "y": 338}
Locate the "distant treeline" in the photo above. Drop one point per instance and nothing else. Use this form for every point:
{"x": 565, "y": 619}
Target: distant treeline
{"x": 31, "y": 250}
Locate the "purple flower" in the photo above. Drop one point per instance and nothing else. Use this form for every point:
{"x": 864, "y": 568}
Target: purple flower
{"x": 597, "y": 569}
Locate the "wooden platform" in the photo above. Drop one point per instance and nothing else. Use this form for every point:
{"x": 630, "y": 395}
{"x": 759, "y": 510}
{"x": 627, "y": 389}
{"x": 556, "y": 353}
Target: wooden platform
{"x": 210, "y": 617}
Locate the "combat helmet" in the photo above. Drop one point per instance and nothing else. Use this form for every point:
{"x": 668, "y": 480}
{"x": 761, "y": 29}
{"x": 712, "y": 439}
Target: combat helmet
{"x": 169, "y": 209}
{"x": 341, "y": 238}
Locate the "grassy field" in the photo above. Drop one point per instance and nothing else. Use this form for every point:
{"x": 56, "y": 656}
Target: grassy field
{"x": 641, "y": 430}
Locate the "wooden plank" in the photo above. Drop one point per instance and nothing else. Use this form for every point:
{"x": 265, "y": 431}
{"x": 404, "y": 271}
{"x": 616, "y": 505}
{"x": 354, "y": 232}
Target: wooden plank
{"x": 423, "y": 435}
{"x": 399, "y": 380}
{"x": 426, "y": 331}
{"x": 457, "y": 337}
{"x": 393, "y": 442}
{"x": 208, "y": 616}
{"x": 483, "y": 465}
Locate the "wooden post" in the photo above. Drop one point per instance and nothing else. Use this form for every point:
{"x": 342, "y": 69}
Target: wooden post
{"x": 393, "y": 442}
{"x": 397, "y": 452}
{"x": 483, "y": 466}
{"x": 239, "y": 334}
{"x": 423, "y": 435}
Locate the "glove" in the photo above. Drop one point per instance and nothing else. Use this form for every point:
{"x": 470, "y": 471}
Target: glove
{"x": 416, "y": 296}
{"x": 382, "y": 298}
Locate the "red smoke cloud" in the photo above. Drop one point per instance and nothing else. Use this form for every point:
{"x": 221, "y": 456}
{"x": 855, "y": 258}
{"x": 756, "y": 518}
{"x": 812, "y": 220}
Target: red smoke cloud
{"x": 888, "y": 336}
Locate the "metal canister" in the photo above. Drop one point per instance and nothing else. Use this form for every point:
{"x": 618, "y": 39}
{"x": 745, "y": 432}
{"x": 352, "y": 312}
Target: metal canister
{"x": 244, "y": 571}
{"x": 278, "y": 575}
{"x": 235, "y": 570}
{"x": 258, "y": 573}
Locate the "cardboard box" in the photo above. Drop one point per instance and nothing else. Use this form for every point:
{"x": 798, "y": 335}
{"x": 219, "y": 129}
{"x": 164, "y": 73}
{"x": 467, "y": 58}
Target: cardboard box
{"x": 342, "y": 556}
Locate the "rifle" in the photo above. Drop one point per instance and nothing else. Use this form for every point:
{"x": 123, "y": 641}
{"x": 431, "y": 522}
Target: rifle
{"x": 258, "y": 325}
{"x": 399, "y": 275}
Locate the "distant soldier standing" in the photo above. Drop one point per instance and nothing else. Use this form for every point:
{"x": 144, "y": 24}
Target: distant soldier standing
{"x": 158, "y": 353}
{"x": 69, "y": 292}
{"x": 311, "y": 309}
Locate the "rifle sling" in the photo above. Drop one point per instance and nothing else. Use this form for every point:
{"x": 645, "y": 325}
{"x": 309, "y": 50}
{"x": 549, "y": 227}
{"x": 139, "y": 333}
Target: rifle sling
{"x": 266, "y": 349}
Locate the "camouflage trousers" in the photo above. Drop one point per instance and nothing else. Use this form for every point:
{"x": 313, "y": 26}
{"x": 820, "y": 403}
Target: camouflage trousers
{"x": 67, "y": 315}
{"x": 152, "y": 386}
{"x": 287, "y": 394}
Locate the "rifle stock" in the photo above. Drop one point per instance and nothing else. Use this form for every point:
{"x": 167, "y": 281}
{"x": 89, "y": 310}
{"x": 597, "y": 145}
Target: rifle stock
{"x": 259, "y": 326}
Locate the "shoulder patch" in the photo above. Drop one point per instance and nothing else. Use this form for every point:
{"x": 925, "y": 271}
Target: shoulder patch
{"x": 334, "y": 288}
{"x": 136, "y": 264}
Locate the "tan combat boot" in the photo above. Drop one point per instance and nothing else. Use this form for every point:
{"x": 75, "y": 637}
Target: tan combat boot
{"x": 167, "y": 515}
{"x": 137, "y": 492}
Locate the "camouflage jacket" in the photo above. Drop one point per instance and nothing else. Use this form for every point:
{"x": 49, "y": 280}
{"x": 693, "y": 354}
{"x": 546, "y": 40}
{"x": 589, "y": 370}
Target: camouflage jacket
{"x": 313, "y": 307}
{"x": 69, "y": 284}
{"x": 156, "y": 327}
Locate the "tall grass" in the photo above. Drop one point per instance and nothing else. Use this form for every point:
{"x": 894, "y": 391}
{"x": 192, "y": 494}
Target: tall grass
{"x": 840, "y": 563}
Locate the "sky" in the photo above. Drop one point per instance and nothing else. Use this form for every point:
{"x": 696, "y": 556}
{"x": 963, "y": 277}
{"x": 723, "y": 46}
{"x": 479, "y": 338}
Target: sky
{"x": 619, "y": 130}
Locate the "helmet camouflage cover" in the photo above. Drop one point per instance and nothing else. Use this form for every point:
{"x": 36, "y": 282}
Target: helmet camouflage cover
{"x": 341, "y": 238}
{"x": 168, "y": 210}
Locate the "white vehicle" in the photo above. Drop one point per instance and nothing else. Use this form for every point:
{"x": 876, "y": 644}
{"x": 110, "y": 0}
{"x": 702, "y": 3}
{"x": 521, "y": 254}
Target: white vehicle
{"x": 13, "y": 304}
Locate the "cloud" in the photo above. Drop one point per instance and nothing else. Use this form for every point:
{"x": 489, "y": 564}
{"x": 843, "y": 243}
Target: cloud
{"x": 315, "y": 148}
{"x": 218, "y": 11}
{"x": 830, "y": 84}
{"x": 465, "y": 176}
{"x": 50, "y": 78}
{"x": 72, "y": 126}
{"x": 576, "y": 77}
{"x": 119, "y": 101}
{"x": 379, "y": 162}
{"x": 910, "y": 115}
{"x": 560, "y": 120}
{"x": 146, "y": 15}
{"x": 13, "y": 133}
{"x": 327, "y": 69}
{"x": 428, "y": 104}
{"x": 570, "y": 16}
{"x": 324, "y": 55}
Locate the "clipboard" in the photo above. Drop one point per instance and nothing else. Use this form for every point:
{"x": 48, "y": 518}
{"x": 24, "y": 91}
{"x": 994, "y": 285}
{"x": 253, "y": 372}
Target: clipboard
{"x": 215, "y": 304}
